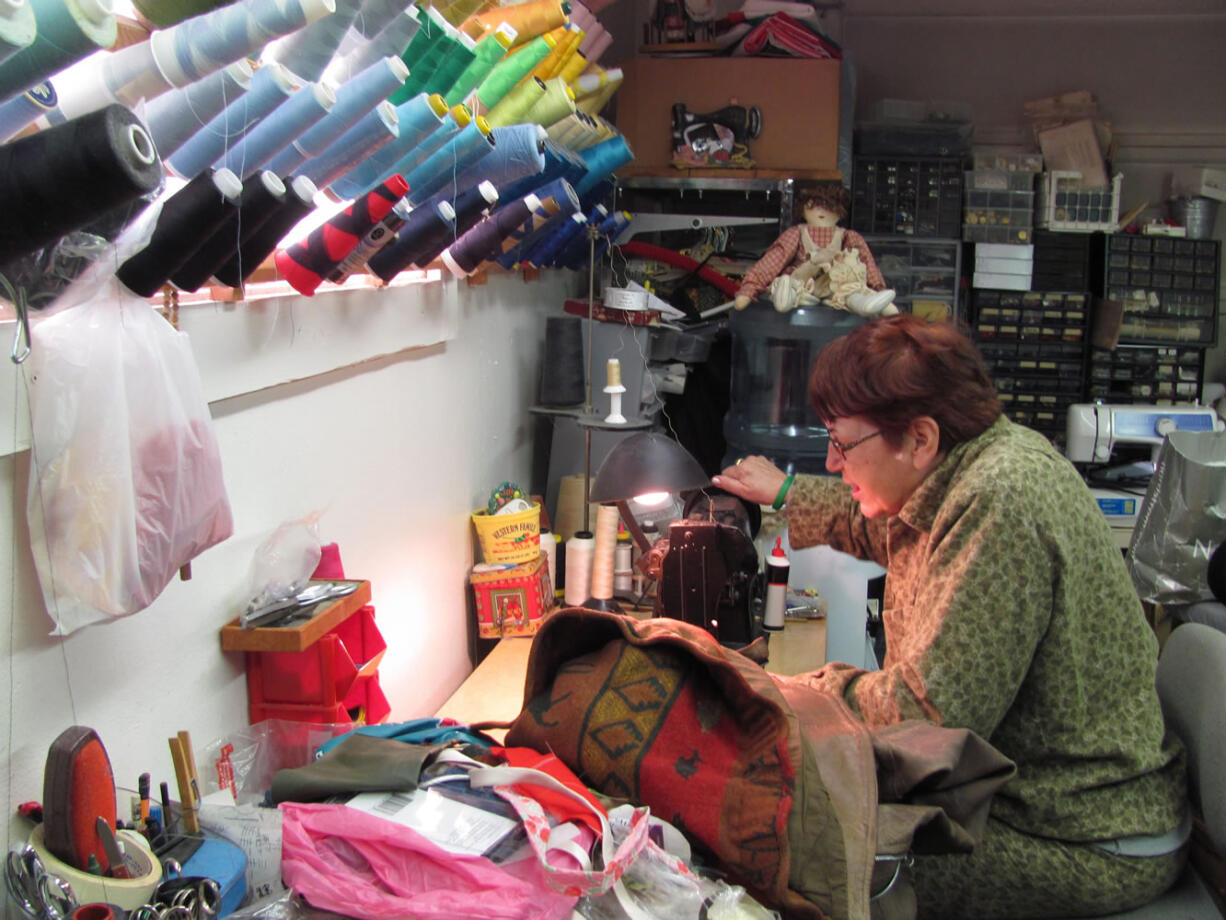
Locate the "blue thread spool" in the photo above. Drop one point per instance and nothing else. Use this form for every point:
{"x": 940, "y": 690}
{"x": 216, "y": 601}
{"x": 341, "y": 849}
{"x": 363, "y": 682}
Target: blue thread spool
{"x": 517, "y": 155}
{"x": 307, "y": 52}
{"x": 22, "y": 110}
{"x": 270, "y": 86}
{"x": 602, "y": 159}
{"x": 367, "y": 136}
{"x": 66, "y": 31}
{"x": 175, "y": 116}
{"x": 258, "y": 243}
{"x": 546, "y": 250}
{"x": 354, "y": 99}
{"x": 469, "y": 206}
{"x": 392, "y": 41}
{"x": 465, "y": 255}
{"x": 196, "y": 47}
{"x": 560, "y": 163}
{"x": 417, "y": 119}
{"x": 304, "y": 108}
{"x": 425, "y": 234}
{"x": 558, "y": 203}
{"x": 472, "y": 143}
{"x": 446, "y": 129}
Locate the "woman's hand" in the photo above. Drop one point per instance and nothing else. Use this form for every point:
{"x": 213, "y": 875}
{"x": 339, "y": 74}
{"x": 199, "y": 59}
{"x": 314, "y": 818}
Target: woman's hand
{"x": 754, "y": 479}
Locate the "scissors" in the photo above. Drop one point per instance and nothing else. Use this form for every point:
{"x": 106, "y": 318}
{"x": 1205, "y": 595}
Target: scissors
{"x": 39, "y": 894}
{"x": 182, "y": 899}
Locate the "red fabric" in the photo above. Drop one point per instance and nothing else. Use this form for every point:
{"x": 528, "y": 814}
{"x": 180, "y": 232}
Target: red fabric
{"x": 677, "y": 260}
{"x": 560, "y": 808}
{"x": 783, "y": 32}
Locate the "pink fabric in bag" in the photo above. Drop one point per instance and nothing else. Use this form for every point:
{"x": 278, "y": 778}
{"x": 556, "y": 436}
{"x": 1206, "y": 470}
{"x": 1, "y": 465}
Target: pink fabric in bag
{"x": 361, "y": 866}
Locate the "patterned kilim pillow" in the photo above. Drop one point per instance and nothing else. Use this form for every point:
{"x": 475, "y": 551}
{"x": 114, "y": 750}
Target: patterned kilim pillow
{"x": 776, "y": 782}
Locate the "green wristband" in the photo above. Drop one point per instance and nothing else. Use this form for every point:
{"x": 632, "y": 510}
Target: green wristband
{"x": 783, "y": 492}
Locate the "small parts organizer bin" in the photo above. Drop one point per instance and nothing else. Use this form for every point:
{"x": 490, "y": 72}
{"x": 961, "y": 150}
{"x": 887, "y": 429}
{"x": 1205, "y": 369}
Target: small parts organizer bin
{"x": 1146, "y": 374}
{"x": 999, "y": 206}
{"x": 909, "y": 196}
{"x": 323, "y": 670}
{"x": 924, "y": 273}
{"x": 1064, "y": 205}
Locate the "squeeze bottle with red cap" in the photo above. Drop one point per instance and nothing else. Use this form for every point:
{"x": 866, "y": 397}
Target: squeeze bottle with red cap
{"x": 777, "y": 566}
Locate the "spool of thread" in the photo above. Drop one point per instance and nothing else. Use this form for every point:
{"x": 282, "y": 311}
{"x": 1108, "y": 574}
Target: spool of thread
{"x": 583, "y": 246}
{"x": 509, "y": 71}
{"x": 562, "y": 369}
{"x": 568, "y": 49}
{"x": 471, "y": 204}
{"x": 374, "y": 15}
{"x": 375, "y": 239}
{"x": 459, "y": 10}
{"x": 572, "y": 493}
{"x": 261, "y": 195}
{"x": 613, "y": 386}
{"x": 188, "y": 218}
{"x": 20, "y": 111}
{"x": 602, "y": 159}
{"x": 549, "y": 546}
{"x": 486, "y": 237}
{"x": 580, "y": 552}
{"x": 305, "y": 107}
{"x": 777, "y": 568}
{"x": 558, "y": 202}
{"x": 440, "y": 170}
{"x": 559, "y": 41}
{"x": 455, "y": 120}
{"x": 595, "y": 51}
{"x": 126, "y": 76}
{"x": 107, "y": 156}
{"x": 417, "y": 119}
{"x": 258, "y": 243}
{"x": 516, "y": 155}
{"x": 65, "y": 32}
{"x": 426, "y": 233}
{"x": 613, "y": 373}
{"x": 516, "y": 103}
{"x": 360, "y": 141}
{"x": 453, "y": 63}
{"x": 203, "y": 44}
{"x": 307, "y": 263}
{"x": 574, "y": 66}
{"x": 423, "y": 67}
{"x": 560, "y": 163}
{"x": 543, "y": 254}
{"x": 555, "y": 103}
{"x": 391, "y": 41}
{"x": 594, "y": 102}
{"x": 601, "y": 589}
{"x": 270, "y": 86}
{"x": 530, "y": 19}
{"x": 592, "y": 30}
{"x": 620, "y": 220}
{"x": 432, "y": 30}
{"x": 166, "y": 13}
{"x": 307, "y": 52}
{"x": 17, "y": 28}
{"x": 487, "y": 52}
{"x": 581, "y": 16}
{"x": 623, "y": 566}
{"x": 355, "y": 99}
{"x": 175, "y": 116}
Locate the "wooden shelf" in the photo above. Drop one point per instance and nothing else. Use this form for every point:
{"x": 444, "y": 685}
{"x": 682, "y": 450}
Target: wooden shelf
{"x": 728, "y": 173}
{"x": 300, "y": 636}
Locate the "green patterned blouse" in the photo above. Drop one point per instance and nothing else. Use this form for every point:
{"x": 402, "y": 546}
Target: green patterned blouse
{"x": 1008, "y": 610}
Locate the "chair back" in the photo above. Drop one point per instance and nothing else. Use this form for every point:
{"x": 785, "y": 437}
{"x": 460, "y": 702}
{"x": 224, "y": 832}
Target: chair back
{"x": 1192, "y": 688}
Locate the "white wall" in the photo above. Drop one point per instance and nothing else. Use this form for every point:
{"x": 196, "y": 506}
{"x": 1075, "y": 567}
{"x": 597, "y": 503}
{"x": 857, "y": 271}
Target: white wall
{"x": 397, "y": 450}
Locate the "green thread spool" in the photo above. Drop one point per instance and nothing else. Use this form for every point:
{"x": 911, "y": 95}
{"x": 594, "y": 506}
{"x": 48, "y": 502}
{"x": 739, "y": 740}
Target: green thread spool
{"x": 433, "y": 30}
{"x": 17, "y": 28}
{"x": 556, "y": 103}
{"x": 452, "y": 65}
{"x": 513, "y": 106}
{"x": 486, "y": 54}
{"x": 424, "y": 69}
{"x": 67, "y": 31}
{"x": 510, "y": 70}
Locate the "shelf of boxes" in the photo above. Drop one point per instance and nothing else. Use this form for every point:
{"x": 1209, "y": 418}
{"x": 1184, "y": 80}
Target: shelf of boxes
{"x": 998, "y": 206}
{"x": 1168, "y": 287}
{"x": 1062, "y": 261}
{"x": 910, "y": 196}
{"x": 1161, "y": 375}
{"x": 924, "y": 273}
{"x": 1065, "y": 205}
{"x": 1035, "y": 346}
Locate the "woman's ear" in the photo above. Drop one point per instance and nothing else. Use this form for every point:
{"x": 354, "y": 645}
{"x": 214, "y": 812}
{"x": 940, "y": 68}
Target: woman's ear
{"x": 925, "y": 436}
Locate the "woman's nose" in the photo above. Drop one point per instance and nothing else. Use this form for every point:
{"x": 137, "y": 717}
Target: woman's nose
{"x": 834, "y": 460}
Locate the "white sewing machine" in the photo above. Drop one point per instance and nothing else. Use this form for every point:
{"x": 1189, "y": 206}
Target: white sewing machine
{"x": 1096, "y": 432}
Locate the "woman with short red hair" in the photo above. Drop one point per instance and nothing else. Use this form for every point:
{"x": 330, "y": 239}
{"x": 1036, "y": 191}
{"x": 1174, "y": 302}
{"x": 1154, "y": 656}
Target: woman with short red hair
{"x": 1008, "y": 611}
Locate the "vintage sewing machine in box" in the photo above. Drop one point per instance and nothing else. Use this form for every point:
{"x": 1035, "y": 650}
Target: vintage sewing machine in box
{"x": 1098, "y": 433}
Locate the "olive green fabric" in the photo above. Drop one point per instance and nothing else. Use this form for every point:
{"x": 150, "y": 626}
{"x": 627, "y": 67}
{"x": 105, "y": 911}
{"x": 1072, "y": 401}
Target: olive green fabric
{"x": 1008, "y": 611}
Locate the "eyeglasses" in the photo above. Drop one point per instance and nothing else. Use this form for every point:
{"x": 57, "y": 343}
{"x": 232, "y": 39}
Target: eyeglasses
{"x": 845, "y": 449}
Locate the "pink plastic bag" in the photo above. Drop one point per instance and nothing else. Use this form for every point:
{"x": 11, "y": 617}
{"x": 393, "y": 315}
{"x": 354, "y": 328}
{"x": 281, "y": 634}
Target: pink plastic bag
{"x": 358, "y": 865}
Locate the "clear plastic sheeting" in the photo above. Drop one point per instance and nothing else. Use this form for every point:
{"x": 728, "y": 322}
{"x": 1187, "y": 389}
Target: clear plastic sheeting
{"x": 1183, "y": 520}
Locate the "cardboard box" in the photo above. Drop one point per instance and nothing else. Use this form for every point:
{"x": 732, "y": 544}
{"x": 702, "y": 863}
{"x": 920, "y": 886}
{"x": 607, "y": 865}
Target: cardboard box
{"x": 799, "y": 100}
{"x": 512, "y": 602}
